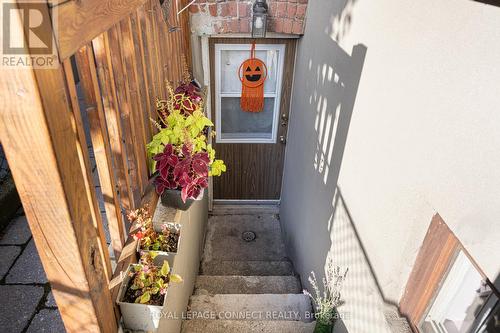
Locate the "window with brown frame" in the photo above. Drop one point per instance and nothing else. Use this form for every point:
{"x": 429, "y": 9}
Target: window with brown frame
{"x": 447, "y": 292}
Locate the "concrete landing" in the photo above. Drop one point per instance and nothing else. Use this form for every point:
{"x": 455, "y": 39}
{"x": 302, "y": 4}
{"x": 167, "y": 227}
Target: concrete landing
{"x": 224, "y": 238}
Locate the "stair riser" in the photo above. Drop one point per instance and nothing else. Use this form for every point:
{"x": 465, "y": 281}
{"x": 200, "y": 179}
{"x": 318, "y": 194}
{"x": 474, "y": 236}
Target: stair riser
{"x": 232, "y": 326}
{"x": 247, "y": 268}
{"x": 247, "y": 285}
{"x": 254, "y": 307}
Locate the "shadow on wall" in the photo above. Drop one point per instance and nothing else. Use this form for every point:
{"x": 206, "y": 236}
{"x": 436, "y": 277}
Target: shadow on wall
{"x": 366, "y": 306}
{"x": 315, "y": 220}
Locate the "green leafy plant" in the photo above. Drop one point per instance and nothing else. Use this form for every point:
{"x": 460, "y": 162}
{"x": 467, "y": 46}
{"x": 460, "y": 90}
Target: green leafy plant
{"x": 178, "y": 130}
{"x": 149, "y": 283}
{"x": 326, "y": 303}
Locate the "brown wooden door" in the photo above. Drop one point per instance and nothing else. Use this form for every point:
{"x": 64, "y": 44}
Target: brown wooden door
{"x": 252, "y": 145}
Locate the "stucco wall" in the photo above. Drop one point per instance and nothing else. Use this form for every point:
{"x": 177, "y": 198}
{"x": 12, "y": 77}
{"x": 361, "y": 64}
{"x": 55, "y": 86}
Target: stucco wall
{"x": 423, "y": 136}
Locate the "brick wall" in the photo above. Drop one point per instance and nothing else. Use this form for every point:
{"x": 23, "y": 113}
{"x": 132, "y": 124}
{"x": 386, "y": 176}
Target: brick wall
{"x": 235, "y": 16}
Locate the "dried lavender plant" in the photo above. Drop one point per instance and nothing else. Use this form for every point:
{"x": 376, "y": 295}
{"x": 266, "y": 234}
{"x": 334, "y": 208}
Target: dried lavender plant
{"x": 186, "y": 75}
{"x": 326, "y": 303}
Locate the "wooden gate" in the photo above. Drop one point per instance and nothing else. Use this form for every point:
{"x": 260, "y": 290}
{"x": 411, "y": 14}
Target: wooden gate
{"x": 122, "y": 52}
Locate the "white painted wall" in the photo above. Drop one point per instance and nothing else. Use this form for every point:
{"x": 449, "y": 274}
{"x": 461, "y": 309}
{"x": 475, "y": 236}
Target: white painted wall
{"x": 424, "y": 136}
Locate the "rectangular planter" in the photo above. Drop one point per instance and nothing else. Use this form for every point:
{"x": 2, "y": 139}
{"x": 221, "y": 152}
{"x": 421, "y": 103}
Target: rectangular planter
{"x": 168, "y": 256}
{"x": 138, "y": 316}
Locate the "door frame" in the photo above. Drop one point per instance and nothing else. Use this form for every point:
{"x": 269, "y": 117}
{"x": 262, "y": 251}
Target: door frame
{"x": 277, "y": 95}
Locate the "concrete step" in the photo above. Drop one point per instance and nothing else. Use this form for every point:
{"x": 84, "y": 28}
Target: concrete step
{"x": 224, "y": 238}
{"x": 247, "y": 268}
{"x": 246, "y": 326}
{"x": 253, "y": 307}
{"x": 229, "y": 209}
{"x": 206, "y": 284}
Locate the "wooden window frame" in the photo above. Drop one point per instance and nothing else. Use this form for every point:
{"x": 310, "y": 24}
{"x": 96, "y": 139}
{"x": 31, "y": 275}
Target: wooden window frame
{"x": 435, "y": 258}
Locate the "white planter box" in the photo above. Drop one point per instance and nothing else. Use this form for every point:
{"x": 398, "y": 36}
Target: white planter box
{"x": 168, "y": 256}
{"x": 138, "y": 316}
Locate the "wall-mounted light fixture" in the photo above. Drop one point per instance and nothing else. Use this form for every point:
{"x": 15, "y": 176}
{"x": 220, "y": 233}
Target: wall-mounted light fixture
{"x": 259, "y": 21}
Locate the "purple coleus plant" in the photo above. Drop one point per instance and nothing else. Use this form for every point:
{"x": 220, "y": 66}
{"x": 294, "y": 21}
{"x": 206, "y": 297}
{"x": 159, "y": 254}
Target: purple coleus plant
{"x": 186, "y": 98}
{"x": 182, "y": 170}
{"x": 189, "y": 90}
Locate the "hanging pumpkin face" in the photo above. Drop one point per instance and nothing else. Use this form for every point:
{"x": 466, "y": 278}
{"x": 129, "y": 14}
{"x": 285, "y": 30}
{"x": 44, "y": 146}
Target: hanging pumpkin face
{"x": 253, "y": 72}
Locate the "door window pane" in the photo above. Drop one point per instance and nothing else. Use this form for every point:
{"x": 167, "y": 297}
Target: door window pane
{"x": 230, "y": 64}
{"x": 239, "y": 124}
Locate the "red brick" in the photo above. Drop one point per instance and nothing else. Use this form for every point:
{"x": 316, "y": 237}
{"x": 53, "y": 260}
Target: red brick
{"x": 281, "y": 10}
{"x": 292, "y": 1}
{"x": 243, "y": 9}
{"x": 193, "y": 8}
{"x": 298, "y": 27}
{"x": 212, "y": 8}
{"x": 291, "y": 9}
{"x": 301, "y": 11}
{"x": 287, "y": 26}
{"x": 302, "y": 1}
{"x": 235, "y": 25}
{"x": 233, "y": 8}
{"x": 278, "y": 25}
{"x": 245, "y": 25}
{"x": 273, "y": 8}
{"x": 224, "y": 10}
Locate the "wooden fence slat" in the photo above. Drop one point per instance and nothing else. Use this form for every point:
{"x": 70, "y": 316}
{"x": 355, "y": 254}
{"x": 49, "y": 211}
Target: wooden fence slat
{"x": 153, "y": 48}
{"x": 141, "y": 123}
{"x": 146, "y": 60}
{"x": 156, "y": 41}
{"x": 142, "y": 77}
{"x": 81, "y": 21}
{"x": 123, "y": 99}
{"x": 162, "y": 39}
{"x": 100, "y": 143}
{"x": 111, "y": 113}
{"x": 83, "y": 150}
{"x": 136, "y": 118}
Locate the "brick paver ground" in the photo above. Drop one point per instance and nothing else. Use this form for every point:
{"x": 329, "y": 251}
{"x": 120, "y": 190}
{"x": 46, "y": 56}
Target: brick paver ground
{"x": 26, "y": 301}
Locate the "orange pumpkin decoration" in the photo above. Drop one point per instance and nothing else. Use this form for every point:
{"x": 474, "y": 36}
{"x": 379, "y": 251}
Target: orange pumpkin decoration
{"x": 252, "y": 73}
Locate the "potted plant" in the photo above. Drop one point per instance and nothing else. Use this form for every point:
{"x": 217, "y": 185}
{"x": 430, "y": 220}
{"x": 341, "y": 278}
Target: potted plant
{"x": 164, "y": 242}
{"x": 179, "y": 154}
{"x": 326, "y": 304}
{"x": 183, "y": 174}
{"x": 143, "y": 293}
